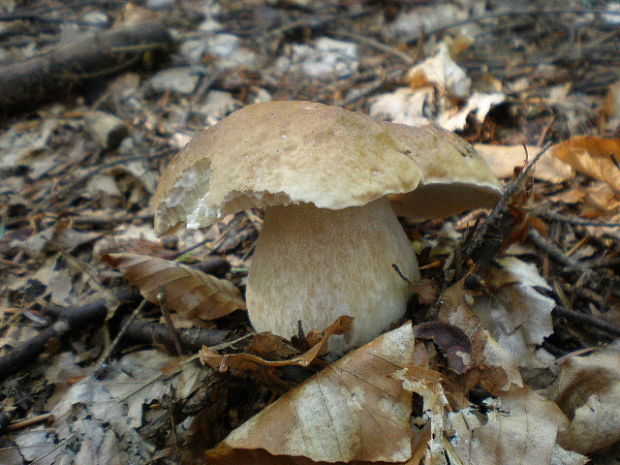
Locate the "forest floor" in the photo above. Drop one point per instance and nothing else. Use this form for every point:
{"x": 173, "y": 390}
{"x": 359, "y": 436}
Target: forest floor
{"x": 514, "y": 354}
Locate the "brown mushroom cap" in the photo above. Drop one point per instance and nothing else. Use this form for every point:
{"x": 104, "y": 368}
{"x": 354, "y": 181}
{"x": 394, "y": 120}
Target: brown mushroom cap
{"x": 454, "y": 176}
{"x": 281, "y": 153}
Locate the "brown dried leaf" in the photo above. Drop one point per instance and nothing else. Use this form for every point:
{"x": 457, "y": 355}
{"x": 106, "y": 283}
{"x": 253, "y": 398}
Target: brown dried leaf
{"x": 353, "y": 410}
{"x": 255, "y": 363}
{"x": 595, "y": 156}
{"x": 189, "y": 292}
{"x": 497, "y": 369}
{"x": 588, "y": 392}
{"x": 504, "y": 158}
{"x": 452, "y": 341}
{"x": 521, "y": 430}
{"x": 516, "y": 314}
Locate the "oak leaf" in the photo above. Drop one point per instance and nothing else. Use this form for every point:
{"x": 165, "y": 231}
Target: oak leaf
{"x": 595, "y": 156}
{"x": 354, "y": 411}
{"x": 189, "y": 292}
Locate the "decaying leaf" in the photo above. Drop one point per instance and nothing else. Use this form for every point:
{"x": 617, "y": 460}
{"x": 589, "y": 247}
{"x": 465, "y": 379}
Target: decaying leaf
{"x": 521, "y": 429}
{"x": 496, "y": 368}
{"x": 244, "y": 361}
{"x": 595, "y": 156}
{"x": 516, "y": 314}
{"x": 588, "y": 392}
{"x": 353, "y": 410}
{"x": 504, "y": 158}
{"x": 441, "y": 71}
{"x": 452, "y": 340}
{"x": 189, "y": 292}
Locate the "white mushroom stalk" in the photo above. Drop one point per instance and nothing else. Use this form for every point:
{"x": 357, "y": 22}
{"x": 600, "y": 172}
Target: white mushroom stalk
{"x": 313, "y": 265}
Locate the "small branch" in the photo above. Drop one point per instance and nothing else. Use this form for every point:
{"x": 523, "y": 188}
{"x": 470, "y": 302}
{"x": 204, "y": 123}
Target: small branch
{"x": 192, "y": 339}
{"x": 571, "y": 219}
{"x": 497, "y": 224}
{"x": 97, "y": 371}
{"x": 14, "y": 426}
{"x": 588, "y": 319}
{"x": 161, "y": 298}
{"x": 78, "y": 318}
{"x": 377, "y": 45}
{"x": 27, "y": 83}
{"x": 553, "y": 250}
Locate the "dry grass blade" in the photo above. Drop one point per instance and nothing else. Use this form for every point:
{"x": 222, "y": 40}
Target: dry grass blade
{"x": 189, "y": 292}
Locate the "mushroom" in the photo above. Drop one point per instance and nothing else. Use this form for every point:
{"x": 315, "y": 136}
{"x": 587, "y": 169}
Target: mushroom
{"x": 330, "y": 238}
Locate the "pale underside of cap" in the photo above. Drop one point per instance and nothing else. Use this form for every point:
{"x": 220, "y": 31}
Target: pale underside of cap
{"x": 281, "y": 153}
{"x": 454, "y": 176}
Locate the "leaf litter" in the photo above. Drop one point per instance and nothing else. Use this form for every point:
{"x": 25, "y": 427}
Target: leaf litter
{"x": 500, "y": 369}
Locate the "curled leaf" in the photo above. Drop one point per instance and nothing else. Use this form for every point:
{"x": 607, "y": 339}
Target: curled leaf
{"x": 353, "y": 410}
{"x": 189, "y": 292}
{"x": 452, "y": 341}
{"x": 595, "y": 156}
{"x": 255, "y": 363}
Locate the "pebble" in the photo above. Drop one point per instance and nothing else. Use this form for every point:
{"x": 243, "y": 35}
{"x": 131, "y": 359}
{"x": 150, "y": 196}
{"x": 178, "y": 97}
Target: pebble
{"x": 180, "y": 80}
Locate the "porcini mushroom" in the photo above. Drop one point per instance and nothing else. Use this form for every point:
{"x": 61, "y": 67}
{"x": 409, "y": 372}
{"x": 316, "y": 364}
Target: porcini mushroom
{"x": 330, "y": 237}
{"x": 455, "y": 177}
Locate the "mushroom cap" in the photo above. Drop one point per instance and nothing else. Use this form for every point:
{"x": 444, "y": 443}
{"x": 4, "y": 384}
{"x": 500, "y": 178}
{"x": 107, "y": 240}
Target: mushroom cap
{"x": 280, "y": 153}
{"x": 454, "y": 176}
{"x": 291, "y": 152}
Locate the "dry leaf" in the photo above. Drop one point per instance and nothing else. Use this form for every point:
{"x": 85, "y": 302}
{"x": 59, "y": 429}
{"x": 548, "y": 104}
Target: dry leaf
{"x": 597, "y": 157}
{"x": 452, "y": 341}
{"x": 189, "y": 292}
{"x": 588, "y": 392}
{"x": 353, "y": 410}
{"x": 522, "y": 429}
{"x": 611, "y": 108}
{"x": 497, "y": 369}
{"x": 254, "y": 362}
{"x": 516, "y": 314}
{"x": 504, "y": 158}
{"x": 441, "y": 71}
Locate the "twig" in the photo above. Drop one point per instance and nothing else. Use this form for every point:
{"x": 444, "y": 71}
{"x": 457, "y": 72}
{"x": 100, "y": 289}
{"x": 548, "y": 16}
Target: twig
{"x": 528, "y": 12}
{"x": 30, "y": 349}
{"x": 191, "y": 339}
{"x": 377, "y": 45}
{"x": 82, "y": 180}
{"x": 496, "y": 218}
{"x": 355, "y": 94}
{"x": 27, "y": 83}
{"x": 29, "y": 422}
{"x": 161, "y": 298}
{"x": 552, "y": 250}
{"x": 97, "y": 371}
{"x": 571, "y": 219}
{"x": 588, "y": 319}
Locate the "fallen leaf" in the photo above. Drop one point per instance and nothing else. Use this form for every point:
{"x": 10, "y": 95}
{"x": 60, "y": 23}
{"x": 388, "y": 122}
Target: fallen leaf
{"x": 522, "y": 429}
{"x": 404, "y": 106}
{"x": 495, "y": 365}
{"x": 504, "y": 158}
{"x": 516, "y": 314}
{"x": 253, "y": 362}
{"x": 478, "y": 105}
{"x": 452, "y": 341}
{"x": 353, "y": 410}
{"x": 189, "y": 292}
{"x": 442, "y": 72}
{"x": 588, "y": 392}
{"x": 594, "y": 156}
{"x": 611, "y": 108}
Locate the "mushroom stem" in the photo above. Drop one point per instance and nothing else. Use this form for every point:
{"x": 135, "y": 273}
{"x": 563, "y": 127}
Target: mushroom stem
{"x": 313, "y": 264}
